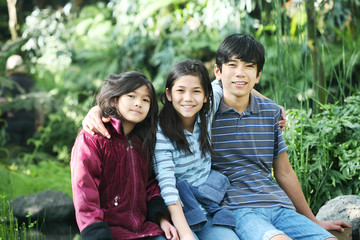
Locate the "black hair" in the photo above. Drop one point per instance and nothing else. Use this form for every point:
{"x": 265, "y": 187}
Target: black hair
{"x": 245, "y": 47}
{"x": 170, "y": 121}
{"x": 117, "y": 85}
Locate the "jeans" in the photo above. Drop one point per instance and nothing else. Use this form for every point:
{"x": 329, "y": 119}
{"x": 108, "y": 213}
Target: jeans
{"x": 214, "y": 232}
{"x": 265, "y": 223}
{"x": 155, "y": 238}
{"x": 209, "y": 194}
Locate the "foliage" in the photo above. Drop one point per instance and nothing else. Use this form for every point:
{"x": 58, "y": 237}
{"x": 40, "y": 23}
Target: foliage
{"x": 324, "y": 150}
{"x": 70, "y": 51}
{"x": 10, "y": 228}
{"x": 20, "y": 179}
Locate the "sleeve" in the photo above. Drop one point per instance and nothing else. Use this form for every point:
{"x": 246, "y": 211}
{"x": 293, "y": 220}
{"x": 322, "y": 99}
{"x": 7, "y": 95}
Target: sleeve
{"x": 279, "y": 143}
{"x": 96, "y": 231}
{"x": 218, "y": 94}
{"x": 165, "y": 169}
{"x": 85, "y": 179}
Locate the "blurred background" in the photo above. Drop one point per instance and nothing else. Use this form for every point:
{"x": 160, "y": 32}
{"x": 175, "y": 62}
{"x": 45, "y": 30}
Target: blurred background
{"x": 69, "y": 47}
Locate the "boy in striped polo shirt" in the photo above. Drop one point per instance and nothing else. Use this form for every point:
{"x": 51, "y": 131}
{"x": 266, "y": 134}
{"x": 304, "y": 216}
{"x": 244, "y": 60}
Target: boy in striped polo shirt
{"x": 249, "y": 145}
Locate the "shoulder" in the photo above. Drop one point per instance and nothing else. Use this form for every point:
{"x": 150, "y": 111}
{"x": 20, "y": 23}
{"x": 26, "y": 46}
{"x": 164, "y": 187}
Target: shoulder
{"x": 265, "y": 103}
{"x": 88, "y": 139}
{"x": 162, "y": 141}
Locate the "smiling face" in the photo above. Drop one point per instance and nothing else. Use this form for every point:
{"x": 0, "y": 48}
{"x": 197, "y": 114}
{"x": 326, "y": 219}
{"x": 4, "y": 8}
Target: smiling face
{"x": 133, "y": 107}
{"x": 238, "y": 78}
{"x": 188, "y": 97}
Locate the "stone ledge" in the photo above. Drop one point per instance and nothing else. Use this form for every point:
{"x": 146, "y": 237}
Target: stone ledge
{"x": 346, "y": 235}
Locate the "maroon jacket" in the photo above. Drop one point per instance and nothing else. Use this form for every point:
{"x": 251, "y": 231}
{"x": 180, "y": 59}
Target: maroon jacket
{"x": 111, "y": 184}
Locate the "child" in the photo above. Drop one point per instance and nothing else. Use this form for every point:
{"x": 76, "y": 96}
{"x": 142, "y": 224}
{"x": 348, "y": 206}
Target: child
{"x": 183, "y": 148}
{"x": 115, "y": 196}
{"x": 250, "y": 150}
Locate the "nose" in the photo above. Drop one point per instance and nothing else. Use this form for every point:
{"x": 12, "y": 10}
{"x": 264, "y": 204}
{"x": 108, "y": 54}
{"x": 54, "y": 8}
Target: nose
{"x": 188, "y": 96}
{"x": 239, "y": 71}
{"x": 138, "y": 102}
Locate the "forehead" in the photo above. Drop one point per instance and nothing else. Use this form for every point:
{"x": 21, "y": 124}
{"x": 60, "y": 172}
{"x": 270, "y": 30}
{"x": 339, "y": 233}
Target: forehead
{"x": 188, "y": 81}
{"x": 143, "y": 90}
{"x": 235, "y": 58}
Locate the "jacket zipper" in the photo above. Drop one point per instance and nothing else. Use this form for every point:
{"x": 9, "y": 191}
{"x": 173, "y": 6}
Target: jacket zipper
{"x": 135, "y": 186}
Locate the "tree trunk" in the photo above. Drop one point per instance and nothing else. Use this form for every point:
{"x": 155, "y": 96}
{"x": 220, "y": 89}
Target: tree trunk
{"x": 13, "y": 23}
{"x": 318, "y": 70}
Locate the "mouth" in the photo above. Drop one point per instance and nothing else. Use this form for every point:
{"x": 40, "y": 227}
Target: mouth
{"x": 239, "y": 83}
{"x": 136, "y": 112}
{"x": 188, "y": 106}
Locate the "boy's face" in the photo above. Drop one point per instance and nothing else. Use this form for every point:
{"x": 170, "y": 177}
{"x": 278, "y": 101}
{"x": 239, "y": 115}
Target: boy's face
{"x": 237, "y": 77}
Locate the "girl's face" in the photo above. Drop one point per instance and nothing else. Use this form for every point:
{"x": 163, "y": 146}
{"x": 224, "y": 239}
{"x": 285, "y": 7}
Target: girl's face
{"x": 133, "y": 107}
{"x": 188, "y": 97}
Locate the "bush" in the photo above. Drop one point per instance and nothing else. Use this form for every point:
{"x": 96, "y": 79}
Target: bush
{"x": 324, "y": 150}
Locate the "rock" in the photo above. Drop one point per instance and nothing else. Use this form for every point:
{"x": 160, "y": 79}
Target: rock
{"x": 53, "y": 206}
{"x": 53, "y": 212}
{"x": 345, "y": 208}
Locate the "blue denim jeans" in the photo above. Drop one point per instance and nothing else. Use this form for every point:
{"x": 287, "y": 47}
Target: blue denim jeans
{"x": 155, "y": 238}
{"x": 209, "y": 194}
{"x": 265, "y": 223}
{"x": 215, "y": 232}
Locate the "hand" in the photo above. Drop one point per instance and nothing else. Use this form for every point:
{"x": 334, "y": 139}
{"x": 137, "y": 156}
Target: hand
{"x": 169, "y": 230}
{"x": 334, "y": 225}
{"x": 93, "y": 123}
{"x": 282, "y": 122}
{"x": 189, "y": 236}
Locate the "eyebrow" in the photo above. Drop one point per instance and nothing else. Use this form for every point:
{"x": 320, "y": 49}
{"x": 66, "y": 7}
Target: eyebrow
{"x": 181, "y": 86}
{"x": 238, "y": 60}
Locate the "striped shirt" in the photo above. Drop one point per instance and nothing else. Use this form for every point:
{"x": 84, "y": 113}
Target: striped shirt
{"x": 245, "y": 147}
{"x": 172, "y": 164}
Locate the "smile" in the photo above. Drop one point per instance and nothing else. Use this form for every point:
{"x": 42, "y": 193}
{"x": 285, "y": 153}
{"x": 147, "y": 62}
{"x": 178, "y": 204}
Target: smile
{"x": 136, "y": 112}
{"x": 240, "y": 83}
{"x": 188, "y": 106}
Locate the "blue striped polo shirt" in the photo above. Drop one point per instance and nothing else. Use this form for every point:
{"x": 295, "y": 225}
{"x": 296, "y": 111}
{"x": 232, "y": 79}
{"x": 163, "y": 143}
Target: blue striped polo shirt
{"x": 245, "y": 147}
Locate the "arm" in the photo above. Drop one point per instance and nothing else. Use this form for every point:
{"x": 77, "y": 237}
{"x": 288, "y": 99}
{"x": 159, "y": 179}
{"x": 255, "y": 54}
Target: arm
{"x": 85, "y": 179}
{"x": 165, "y": 174}
{"x": 157, "y": 211}
{"x": 179, "y": 220}
{"x": 169, "y": 230}
{"x": 288, "y": 181}
{"x": 94, "y": 123}
{"x": 217, "y": 93}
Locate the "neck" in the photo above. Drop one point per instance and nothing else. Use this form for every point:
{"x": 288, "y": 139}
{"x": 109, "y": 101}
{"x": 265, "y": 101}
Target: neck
{"x": 188, "y": 124}
{"x": 127, "y": 127}
{"x": 237, "y": 103}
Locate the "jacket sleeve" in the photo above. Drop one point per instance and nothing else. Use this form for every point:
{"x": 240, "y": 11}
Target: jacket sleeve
{"x": 96, "y": 231}
{"x": 85, "y": 179}
{"x": 155, "y": 204}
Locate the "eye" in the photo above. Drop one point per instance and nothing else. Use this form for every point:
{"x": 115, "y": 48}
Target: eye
{"x": 146, "y": 100}
{"x": 131, "y": 96}
{"x": 179, "y": 90}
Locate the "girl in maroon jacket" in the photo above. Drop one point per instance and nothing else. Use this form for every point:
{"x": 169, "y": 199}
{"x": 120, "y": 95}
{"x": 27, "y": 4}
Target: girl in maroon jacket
{"x": 115, "y": 194}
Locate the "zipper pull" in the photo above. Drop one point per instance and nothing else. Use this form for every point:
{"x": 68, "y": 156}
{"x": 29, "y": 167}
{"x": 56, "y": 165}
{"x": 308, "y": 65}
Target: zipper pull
{"x": 116, "y": 201}
{"x": 130, "y": 144}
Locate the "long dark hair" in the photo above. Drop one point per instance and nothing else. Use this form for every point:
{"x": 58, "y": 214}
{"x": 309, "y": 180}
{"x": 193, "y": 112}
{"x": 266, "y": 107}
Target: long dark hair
{"x": 117, "y": 85}
{"x": 170, "y": 121}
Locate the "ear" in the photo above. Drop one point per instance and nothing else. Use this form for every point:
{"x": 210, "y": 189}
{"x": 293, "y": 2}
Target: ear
{"x": 205, "y": 99}
{"x": 258, "y": 78}
{"x": 168, "y": 94}
{"x": 217, "y": 72}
